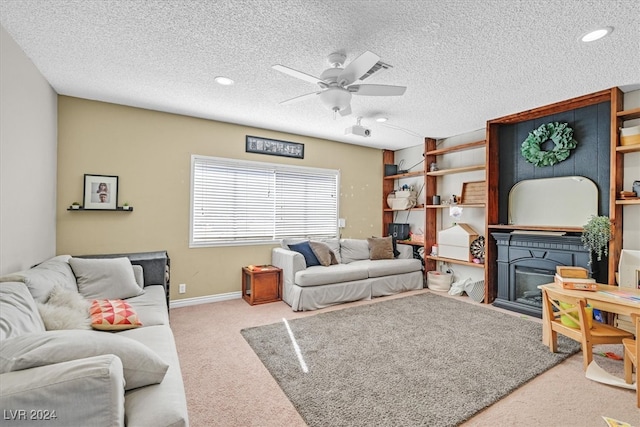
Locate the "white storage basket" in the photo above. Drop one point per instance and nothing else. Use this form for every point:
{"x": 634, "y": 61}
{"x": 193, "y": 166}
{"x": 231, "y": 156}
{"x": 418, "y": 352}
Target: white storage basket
{"x": 438, "y": 281}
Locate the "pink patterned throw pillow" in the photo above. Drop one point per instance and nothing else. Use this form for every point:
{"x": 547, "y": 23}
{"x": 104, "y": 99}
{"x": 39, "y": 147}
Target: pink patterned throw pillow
{"x": 113, "y": 315}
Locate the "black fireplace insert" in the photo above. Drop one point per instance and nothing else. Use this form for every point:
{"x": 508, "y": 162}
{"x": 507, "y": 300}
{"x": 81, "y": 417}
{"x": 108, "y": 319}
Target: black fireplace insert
{"x": 528, "y": 260}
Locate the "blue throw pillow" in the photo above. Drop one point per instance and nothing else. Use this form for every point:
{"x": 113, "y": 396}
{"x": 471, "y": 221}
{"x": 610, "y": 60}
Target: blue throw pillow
{"x": 305, "y": 249}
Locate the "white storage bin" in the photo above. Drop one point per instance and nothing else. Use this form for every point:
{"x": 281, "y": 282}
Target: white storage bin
{"x": 438, "y": 281}
{"x": 402, "y": 200}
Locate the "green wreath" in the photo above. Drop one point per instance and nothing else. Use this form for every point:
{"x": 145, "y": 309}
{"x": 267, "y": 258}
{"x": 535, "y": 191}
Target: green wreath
{"x": 561, "y": 135}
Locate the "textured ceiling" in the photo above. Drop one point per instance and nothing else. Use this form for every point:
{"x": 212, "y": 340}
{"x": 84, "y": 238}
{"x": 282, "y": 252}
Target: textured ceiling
{"x": 463, "y": 62}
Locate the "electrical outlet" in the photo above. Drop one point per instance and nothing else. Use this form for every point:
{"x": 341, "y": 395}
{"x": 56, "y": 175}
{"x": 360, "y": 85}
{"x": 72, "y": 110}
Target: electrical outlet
{"x": 182, "y": 288}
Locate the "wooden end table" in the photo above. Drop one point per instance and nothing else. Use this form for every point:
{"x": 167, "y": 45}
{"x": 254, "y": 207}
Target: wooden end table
{"x": 261, "y": 284}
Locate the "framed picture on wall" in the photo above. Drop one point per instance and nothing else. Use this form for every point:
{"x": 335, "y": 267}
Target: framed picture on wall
{"x": 100, "y": 192}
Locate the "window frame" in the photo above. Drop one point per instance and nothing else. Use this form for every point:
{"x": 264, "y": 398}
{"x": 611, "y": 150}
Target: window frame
{"x": 272, "y": 167}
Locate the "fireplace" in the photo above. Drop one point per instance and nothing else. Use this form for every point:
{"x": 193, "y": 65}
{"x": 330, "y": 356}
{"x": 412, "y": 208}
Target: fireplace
{"x": 527, "y": 260}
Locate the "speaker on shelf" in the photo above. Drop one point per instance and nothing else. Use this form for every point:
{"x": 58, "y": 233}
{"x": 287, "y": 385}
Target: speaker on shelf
{"x": 399, "y": 231}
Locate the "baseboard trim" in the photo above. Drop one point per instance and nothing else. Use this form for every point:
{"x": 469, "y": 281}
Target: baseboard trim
{"x": 185, "y": 302}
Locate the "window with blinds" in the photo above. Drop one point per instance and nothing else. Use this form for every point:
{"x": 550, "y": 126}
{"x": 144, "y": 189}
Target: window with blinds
{"x": 235, "y": 202}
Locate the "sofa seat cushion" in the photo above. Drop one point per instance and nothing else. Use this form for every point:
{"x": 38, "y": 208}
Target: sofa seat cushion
{"x": 167, "y": 399}
{"x": 151, "y": 306}
{"x": 319, "y": 275}
{"x": 388, "y": 267}
{"x": 18, "y": 311}
{"x": 42, "y": 278}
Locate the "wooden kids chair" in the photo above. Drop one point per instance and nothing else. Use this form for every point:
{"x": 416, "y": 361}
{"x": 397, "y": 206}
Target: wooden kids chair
{"x": 567, "y": 315}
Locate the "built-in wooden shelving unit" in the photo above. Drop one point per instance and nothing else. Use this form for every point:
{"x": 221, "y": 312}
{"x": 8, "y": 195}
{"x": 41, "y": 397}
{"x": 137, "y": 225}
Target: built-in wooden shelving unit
{"x": 431, "y": 226}
{"x": 492, "y": 168}
{"x": 454, "y": 261}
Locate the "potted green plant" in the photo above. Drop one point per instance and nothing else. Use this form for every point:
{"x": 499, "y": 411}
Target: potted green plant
{"x": 75, "y": 205}
{"x": 596, "y": 234}
{"x": 125, "y": 206}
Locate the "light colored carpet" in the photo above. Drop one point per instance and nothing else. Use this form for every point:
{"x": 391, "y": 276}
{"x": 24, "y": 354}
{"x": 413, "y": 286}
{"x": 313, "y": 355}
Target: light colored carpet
{"x": 423, "y": 360}
{"x": 227, "y": 384}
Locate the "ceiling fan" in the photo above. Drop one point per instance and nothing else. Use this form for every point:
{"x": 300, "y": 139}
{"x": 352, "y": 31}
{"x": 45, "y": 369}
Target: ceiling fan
{"x": 336, "y": 83}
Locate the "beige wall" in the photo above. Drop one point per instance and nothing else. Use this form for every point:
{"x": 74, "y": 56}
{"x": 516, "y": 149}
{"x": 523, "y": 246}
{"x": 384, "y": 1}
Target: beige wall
{"x": 151, "y": 153}
{"x": 28, "y": 137}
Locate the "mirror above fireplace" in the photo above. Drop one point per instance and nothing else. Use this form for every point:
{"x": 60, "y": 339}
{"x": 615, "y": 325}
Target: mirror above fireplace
{"x": 567, "y": 201}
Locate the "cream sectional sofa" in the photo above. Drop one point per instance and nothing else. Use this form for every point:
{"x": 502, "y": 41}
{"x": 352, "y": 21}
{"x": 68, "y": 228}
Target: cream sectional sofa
{"x": 80, "y": 376}
{"x": 354, "y": 276}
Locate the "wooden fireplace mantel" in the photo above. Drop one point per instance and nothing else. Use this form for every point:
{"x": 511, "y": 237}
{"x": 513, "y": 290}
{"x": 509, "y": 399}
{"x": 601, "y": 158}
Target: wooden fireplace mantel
{"x": 533, "y": 228}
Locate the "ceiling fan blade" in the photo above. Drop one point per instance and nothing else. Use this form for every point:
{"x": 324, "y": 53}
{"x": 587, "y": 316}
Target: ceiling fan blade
{"x": 345, "y": 111}
{"x": 298, "y": 74}
{"x": 377, "y": 90}
{"x": 357, "y": 68}
{"x": 300, "y": 98}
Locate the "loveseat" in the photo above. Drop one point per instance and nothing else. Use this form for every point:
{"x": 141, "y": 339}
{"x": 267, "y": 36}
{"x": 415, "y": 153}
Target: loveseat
{"x": 85, "y": 341}
{"x": 344, "y": 270}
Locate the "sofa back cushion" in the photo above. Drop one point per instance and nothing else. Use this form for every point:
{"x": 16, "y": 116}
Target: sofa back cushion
{"x": 19, "y": 313}
{"x": 43, "y": 277}
{"x": 284, "y": 243}
{"x": 333, "y": 243}
{"x": 138, "y": 273}
{"x": 354, "y": 250}
{"x": 105, "y": 278}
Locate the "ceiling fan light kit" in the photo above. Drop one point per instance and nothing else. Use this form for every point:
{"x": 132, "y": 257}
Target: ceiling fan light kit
{"x": 336, "y": 84}
{"x": 336, "y": 99}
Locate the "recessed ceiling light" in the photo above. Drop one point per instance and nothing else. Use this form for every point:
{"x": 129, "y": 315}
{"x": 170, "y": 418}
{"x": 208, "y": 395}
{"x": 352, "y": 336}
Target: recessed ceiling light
{"x": 596, "y": 34}
{"x": 381, "y": 119}
{"x": 224, "y": 81}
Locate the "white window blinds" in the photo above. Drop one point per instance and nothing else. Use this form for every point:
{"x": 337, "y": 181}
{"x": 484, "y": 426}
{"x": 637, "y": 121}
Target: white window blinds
{"x": 239, "y": 202}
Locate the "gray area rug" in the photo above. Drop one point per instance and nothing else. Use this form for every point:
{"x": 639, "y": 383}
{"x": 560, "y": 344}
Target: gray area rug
{"x": 421, "y": 360}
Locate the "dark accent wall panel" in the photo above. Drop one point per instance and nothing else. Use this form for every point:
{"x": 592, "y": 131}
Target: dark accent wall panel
{"x": 591, "y": 126}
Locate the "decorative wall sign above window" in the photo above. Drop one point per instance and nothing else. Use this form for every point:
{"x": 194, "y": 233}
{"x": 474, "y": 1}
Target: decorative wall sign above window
{"x": 561, "y": 135}
{"x": 274, "y": 147}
